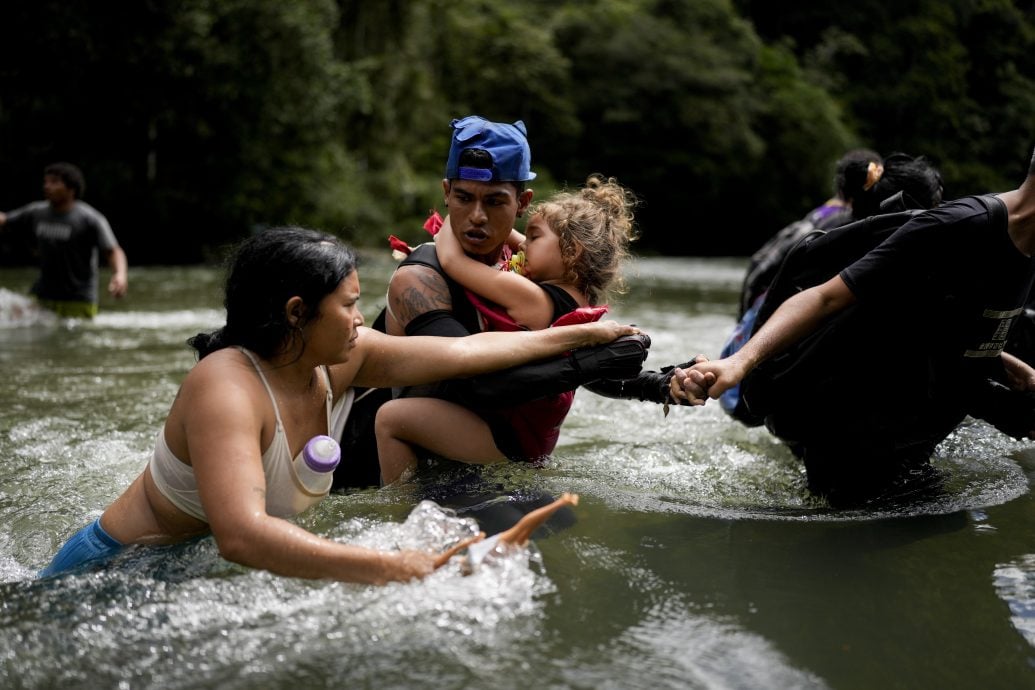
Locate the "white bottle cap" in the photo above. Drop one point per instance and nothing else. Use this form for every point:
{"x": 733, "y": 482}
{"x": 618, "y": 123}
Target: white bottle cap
{"x": 322, "y": 454}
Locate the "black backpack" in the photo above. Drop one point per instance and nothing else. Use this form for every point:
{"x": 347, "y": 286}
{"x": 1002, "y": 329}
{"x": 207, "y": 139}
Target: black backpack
{"x": 785, "y": 380}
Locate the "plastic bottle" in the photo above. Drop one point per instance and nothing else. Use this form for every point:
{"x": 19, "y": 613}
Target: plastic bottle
{"x": 315, "y": 467}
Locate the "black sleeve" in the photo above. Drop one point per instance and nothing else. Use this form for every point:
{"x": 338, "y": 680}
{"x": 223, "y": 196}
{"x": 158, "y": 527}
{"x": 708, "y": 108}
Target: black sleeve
{"x": 561, "y": 300}
{"x": 438, "y": 322}
{"x": 620, "y": 359}
{"x": 647, "y": 386}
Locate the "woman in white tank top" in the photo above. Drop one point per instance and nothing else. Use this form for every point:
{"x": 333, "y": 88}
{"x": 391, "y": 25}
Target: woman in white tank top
{"x": 293, "y": 344}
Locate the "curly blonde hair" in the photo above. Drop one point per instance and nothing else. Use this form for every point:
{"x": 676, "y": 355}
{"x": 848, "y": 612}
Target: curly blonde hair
{"x": 595, "y": 226}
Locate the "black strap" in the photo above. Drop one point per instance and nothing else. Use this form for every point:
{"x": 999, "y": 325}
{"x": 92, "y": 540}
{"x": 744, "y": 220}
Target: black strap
{"x": 996, "y": 208}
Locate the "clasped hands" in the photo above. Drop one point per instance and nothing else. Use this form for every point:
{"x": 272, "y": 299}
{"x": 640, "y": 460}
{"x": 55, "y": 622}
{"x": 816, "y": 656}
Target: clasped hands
{"x": 705, "y": 379}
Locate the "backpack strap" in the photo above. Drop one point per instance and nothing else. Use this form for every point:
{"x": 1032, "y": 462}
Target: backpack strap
{"x": 822, "y": 254}
{"x": 996, "y": 208}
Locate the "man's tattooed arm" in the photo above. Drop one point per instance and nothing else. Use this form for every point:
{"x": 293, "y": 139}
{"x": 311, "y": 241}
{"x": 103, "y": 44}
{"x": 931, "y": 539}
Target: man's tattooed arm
{"x": 416, "y": 290}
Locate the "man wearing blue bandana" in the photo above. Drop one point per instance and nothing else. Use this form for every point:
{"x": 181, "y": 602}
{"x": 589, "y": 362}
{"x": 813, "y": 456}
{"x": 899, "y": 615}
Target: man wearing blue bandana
{"x": 487, "y": 169}
{"x": 488, "y": 166}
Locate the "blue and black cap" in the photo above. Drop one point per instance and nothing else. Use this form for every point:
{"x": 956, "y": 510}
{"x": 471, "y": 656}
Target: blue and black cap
{"x": 507, "y": 146}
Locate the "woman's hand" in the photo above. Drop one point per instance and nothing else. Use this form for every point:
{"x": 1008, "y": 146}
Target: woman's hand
{"x": 403, "y": 566}
{"x": 600, "y": 332}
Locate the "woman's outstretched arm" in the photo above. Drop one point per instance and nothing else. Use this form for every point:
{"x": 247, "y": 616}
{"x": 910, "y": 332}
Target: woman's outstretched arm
{"x": 384, "y": 360}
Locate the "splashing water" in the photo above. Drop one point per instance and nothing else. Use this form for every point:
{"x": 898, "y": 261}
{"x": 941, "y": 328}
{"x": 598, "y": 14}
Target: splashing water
{"x": 696, "y": 557}
{"x": 19, "y": 311}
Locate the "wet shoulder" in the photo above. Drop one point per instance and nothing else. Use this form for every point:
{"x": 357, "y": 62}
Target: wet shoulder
{"x": 220, "y": 373}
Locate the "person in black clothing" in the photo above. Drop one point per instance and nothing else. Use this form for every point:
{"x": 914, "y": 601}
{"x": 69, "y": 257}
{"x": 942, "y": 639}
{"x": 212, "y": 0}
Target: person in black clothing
{"x": 855, "y": 174}
{"x": 900, "y": 183}
{"x": 892, "y": 353}
{"x": 866, "y": 183}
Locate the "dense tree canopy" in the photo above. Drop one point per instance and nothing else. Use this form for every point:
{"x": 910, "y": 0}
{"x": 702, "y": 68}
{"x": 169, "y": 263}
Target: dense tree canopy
{"x": 199, "y": 121}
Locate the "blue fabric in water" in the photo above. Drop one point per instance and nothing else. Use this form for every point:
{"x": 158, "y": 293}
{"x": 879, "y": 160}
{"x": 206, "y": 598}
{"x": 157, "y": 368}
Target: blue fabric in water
{"x": 89, "y": 544}
{"x": 741, "y": 334}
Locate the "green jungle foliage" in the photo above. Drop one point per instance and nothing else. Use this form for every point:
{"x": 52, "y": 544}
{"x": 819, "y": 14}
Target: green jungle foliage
{"x": 199, "y": 121}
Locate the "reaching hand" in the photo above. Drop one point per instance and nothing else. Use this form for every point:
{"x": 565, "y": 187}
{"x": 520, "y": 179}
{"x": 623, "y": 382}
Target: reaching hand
{"x": 712, "y": 379}
{"x": 680, "y": 378}
{"x": 1019, "y": 374}
{"x": 118, "y": 286}
{"x": 409, "y": 565}
{"x": 601, "y": 332}
{"x": 691, "y": 387}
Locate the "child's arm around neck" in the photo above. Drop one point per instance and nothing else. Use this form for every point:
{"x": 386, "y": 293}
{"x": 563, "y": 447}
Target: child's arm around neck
{"x": 525, "y": 302}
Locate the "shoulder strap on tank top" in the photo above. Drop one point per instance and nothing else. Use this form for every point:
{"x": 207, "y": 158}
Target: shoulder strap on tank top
{"x": 269, "y": 391}
{"x": 996, "y": 209}
{"x": 329, "y": 404}
{"x": 330, "y": 395}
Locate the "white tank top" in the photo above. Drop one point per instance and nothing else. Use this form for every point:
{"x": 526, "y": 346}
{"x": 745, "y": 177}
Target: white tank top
{"x": 285, "y": 495}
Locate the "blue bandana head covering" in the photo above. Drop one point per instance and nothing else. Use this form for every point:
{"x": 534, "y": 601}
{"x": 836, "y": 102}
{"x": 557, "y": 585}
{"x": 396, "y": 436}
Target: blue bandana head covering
{"x": 507, "y": 145}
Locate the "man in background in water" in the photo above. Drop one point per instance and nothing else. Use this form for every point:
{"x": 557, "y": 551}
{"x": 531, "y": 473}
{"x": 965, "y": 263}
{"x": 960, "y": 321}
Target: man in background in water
{"x": 70, "y": 234}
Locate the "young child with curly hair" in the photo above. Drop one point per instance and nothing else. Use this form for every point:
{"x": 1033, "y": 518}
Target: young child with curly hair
{"x": 568, "y": 260}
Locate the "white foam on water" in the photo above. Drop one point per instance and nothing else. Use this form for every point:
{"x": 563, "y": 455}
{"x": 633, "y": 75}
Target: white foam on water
{"x": 202, "y": 617}
{"x": 21, "y": 311}
{"x": 698, "y": 461}
{"x": 161, "y": 320}
{"x": 1015, "y": 584}
{"x": 676, "y": 647}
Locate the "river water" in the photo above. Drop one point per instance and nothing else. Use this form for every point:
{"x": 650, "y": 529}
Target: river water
{"x": 695, "y": 559}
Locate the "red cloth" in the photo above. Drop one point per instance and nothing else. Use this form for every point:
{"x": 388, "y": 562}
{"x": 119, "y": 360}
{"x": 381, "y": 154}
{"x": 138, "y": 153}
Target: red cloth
{"x": 537, "y": 423}
{"x": 432, "y": 225}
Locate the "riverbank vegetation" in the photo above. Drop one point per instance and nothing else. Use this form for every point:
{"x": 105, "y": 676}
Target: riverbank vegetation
{"x": 199, "y": 121}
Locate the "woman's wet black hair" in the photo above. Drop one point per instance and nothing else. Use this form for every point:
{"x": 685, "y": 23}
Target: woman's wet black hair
{"x": 265, "y": 271}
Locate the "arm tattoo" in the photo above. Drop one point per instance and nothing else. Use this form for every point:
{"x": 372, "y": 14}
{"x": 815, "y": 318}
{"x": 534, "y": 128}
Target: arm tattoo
{"x": 426, "y": 291}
